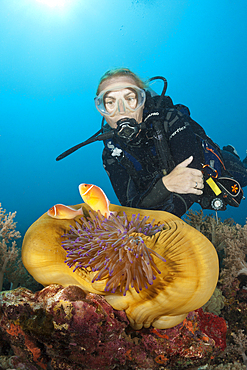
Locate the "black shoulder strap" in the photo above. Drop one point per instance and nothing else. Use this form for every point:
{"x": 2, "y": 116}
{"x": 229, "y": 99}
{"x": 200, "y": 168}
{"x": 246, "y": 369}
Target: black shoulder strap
{"x": 160, "y": 102}
{"x": 162, "y": 147}
{"x": 153, "y": 102}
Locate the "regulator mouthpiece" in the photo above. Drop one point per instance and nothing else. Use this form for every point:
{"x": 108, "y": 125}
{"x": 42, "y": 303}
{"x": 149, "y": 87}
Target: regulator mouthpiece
{"x": 127, "y": 129}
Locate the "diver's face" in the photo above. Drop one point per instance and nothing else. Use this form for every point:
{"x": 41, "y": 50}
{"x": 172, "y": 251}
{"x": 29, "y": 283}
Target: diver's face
{"x": 121, "y": 98}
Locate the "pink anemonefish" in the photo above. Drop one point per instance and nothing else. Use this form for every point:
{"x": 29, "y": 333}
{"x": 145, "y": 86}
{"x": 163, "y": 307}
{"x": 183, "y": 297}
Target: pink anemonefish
{"x": 61, "y": 212}
{"x": 95, "y": 198}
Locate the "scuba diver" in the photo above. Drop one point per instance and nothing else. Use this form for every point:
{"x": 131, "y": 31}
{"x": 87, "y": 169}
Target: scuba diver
{"x": 156, "y": 156}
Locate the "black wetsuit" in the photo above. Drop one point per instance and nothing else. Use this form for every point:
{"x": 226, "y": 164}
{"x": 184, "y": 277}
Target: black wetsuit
{"x": 142, "y": 186}
{"x": 135, "y": 170}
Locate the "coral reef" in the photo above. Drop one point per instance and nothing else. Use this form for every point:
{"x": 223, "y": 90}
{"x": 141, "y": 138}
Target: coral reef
{"x": 235, "y": 313}
{"x": 215, "y": 303}
{"x": 230, "y": 241}
{"x": 240, "y": 340}
{"x": 235, "y": 255}
{"x": 67, "y": 328}
{"x": 8, "y": 250}
{"x": 229, "y": 366}
{"x": 12, "y": 270}
{"x": 64, "y": 328}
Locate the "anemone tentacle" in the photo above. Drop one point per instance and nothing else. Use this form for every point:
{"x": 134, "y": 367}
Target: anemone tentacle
{"x": 114, "y": 247}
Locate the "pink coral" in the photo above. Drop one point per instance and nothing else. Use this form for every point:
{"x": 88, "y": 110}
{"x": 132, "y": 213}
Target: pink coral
{"x": 65, "y": 328}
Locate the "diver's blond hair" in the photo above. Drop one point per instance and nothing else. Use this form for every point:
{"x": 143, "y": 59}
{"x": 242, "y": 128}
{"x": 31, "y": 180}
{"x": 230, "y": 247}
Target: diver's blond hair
{"x": 118, "y": 72}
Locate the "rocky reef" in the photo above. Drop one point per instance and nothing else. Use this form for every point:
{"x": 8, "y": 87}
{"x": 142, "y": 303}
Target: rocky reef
{"x": 64, "y": 328}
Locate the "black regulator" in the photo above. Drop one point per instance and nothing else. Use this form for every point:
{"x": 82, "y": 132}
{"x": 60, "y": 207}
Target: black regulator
{"x": 127, "y": 129}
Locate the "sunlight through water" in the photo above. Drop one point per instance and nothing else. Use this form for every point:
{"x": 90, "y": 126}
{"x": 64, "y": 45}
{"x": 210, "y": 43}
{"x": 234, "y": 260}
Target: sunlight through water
{"x": 53, "y": 3}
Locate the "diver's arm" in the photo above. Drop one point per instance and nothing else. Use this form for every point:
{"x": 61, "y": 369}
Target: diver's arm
{"x": 154, "y": 197}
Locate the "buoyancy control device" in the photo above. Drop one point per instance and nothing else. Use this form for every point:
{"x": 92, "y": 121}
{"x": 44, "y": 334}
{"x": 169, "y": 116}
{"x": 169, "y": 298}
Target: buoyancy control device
{"x": 220, "y": 188}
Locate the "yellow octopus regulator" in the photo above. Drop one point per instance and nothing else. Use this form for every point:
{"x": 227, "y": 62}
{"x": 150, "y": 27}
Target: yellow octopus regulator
{"x": 187, "y": 280}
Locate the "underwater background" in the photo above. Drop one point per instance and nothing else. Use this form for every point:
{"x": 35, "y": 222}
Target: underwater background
{"x": 52, "y": 55}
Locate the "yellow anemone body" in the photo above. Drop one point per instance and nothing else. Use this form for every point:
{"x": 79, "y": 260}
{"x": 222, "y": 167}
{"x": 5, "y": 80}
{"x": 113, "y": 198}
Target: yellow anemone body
{"x": 187, "y": 280}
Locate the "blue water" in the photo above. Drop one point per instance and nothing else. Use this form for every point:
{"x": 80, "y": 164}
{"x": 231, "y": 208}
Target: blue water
{"x": 51, "y": 59}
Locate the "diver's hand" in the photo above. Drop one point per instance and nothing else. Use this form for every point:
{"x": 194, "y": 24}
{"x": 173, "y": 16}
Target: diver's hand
{"x": 184, "y": 180}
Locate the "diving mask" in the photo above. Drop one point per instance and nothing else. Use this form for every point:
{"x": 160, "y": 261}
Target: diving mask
{"x": 121, "y": 99}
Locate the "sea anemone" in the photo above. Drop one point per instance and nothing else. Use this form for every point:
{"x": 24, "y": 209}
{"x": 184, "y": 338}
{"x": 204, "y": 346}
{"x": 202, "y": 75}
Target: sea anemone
{"x": 114, "y": 247}
{"x": 186, "y": 282}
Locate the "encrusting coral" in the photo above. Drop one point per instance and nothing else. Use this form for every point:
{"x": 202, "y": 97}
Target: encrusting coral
{"x": 186, "y": 260}
{"x": 65, "y": 328}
